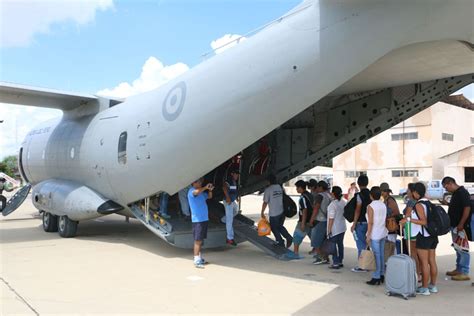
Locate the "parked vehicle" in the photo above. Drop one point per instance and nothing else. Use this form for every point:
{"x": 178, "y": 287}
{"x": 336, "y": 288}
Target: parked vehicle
{"x": 435, "y": 191}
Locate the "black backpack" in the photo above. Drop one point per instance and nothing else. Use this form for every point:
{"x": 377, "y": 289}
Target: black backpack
{"x": 349, "y": 209}
{"x": 438, "y": 223}
{"x": 289, "y": 206}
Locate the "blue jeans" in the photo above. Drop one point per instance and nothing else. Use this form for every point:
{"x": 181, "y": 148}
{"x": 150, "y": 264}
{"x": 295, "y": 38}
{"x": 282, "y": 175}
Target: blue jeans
{"x": 164, "y": 203}
{"x": 463, "y": 261}
{"x": 318, "y": 234}
{"x": 361, "y": 232}
{"x": 378, "y": 248}
{"x": 276, "y": 224}
{"x": 230, "y": 211}
{"x": 339, "y": 256}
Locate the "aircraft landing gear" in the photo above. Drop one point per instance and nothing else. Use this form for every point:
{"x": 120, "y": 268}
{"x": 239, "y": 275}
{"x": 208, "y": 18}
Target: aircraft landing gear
{"x": 67, "y": 228}
{"x": 50, "y": 222}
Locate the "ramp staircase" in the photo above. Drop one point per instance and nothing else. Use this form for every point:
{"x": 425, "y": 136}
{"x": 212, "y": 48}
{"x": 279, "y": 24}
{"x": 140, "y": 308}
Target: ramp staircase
{"x": 152, "y": 221}
{"x": 16, "y": 200}
{"x": 245, "y": 229}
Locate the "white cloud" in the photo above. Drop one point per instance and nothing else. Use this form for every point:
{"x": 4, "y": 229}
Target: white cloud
{"x": 225, "y": 42}
{"x": 153, "y": 75}
{"x": 21, "y": 20}
{"x": 467, "y": 91}
{"x": 18, "y": 120}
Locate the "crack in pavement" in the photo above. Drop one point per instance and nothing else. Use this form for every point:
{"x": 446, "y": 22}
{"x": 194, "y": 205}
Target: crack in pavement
{"x": 19, "y": 296}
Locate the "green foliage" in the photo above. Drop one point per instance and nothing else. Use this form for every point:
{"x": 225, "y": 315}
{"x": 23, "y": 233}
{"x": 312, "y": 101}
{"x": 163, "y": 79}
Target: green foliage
{"x": 9, "y": 166}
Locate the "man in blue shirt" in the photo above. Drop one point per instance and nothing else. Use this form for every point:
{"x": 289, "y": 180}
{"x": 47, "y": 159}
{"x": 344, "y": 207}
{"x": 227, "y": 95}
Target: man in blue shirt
{"x": 231, "y": 194}
{"x": 197, "y": 197}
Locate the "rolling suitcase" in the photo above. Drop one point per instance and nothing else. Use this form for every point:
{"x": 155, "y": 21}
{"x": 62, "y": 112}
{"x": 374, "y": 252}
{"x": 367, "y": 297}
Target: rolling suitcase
{"x": 400, "y": 275}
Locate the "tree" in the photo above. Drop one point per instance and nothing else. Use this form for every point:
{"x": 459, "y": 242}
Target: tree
{"x": 9, "y": 166}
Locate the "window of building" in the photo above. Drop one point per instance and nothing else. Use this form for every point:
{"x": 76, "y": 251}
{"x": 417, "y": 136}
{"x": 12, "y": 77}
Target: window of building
{"x": 354, "y": 174}
{"x": 448, "y": 137}
{"x": 404, "y": 173}
{"x": 405, "y": 136}
{"x": 122, "y": 148}
{"x": 472, "y": 140}
{"x": 469, "y": 174}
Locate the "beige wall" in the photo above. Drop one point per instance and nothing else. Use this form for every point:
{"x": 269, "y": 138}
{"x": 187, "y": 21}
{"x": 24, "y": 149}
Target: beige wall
{"x": 380, "y": 155}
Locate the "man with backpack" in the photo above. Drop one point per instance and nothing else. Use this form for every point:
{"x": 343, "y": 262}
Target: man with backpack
{"x": 459, "y": 212}
{"x": 359, "y": 224}
{"x": 273, "y": 197}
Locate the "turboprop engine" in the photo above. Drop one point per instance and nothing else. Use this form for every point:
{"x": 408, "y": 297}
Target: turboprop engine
{"x": 78, "y": 202}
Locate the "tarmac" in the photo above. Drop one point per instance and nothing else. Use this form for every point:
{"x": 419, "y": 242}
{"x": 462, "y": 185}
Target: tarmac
{"x": 115, "y": 267}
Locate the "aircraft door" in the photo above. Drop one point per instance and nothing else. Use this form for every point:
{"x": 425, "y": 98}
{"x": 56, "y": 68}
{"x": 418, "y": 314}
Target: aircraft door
{"x": 20, "y": 165}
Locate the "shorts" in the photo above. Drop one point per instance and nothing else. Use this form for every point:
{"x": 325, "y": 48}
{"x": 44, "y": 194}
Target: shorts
{"x": 299, "y": 235}
{"x": 200, "y": 230}
{"x": 426, "y": 243}
{"x": 318, "y": 234}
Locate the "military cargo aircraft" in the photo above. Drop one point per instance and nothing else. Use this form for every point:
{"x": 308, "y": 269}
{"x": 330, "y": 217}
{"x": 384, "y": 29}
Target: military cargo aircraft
{"x": 304, "y": 88}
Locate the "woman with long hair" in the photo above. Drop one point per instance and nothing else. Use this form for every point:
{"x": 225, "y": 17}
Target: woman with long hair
{"x": 376, "y": 233}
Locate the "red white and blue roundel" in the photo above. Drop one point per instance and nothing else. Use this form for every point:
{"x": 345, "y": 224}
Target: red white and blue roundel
{"x": 174, "y": 101}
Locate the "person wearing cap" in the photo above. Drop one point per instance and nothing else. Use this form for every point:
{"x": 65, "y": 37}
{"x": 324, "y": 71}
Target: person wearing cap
{"x": 392, "y": 208}
{"x": 273, "y": 197}
{"x": 231, "y": 194}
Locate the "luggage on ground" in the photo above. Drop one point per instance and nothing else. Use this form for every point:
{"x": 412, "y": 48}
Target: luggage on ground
{"x": 400, "y": 275}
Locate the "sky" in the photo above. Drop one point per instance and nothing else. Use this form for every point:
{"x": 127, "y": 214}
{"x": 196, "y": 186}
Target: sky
{"x": 114, "y": 48}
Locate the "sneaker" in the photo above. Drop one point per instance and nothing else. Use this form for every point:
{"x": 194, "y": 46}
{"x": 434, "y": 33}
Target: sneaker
{"x": 432, "y": 288}
{"x": 199, "y": 264}
{"x": 231, "y": 242}
{"x": 453, "y": 273}
{"x": 461, "y": 277}
{"x": 423, "y": 291}
{"x": 334, "y": 266}
{"x": 203, "y": 261}
{"x": 358, "y": 270}
{"x": 320, "y": 260}
{"x": 165, "y": 216}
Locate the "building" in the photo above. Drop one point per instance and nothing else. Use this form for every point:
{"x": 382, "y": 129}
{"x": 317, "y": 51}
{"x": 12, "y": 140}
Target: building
{"x": 436, "y": 142}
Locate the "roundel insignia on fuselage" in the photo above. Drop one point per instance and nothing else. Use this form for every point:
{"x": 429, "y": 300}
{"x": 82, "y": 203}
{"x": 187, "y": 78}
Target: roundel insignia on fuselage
{"x": 174, "y": 102}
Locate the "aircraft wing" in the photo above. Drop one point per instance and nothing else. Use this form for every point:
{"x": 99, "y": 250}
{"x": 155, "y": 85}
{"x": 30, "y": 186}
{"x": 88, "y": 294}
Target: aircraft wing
{"x": 40, "y": 97}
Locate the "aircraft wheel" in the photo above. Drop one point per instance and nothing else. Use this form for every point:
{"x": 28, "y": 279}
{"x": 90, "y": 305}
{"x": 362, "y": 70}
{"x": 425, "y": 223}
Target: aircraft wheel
{"x": 50, "y": 222}
{"x": 67, "y": 228}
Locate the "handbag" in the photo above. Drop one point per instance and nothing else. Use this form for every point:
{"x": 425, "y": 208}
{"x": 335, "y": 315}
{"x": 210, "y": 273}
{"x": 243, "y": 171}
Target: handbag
{"x": 460, "y": 242}
{"x": 367, "y": 260}
{"x": 263, "y": 227}
{"x": 328, "y": 248}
